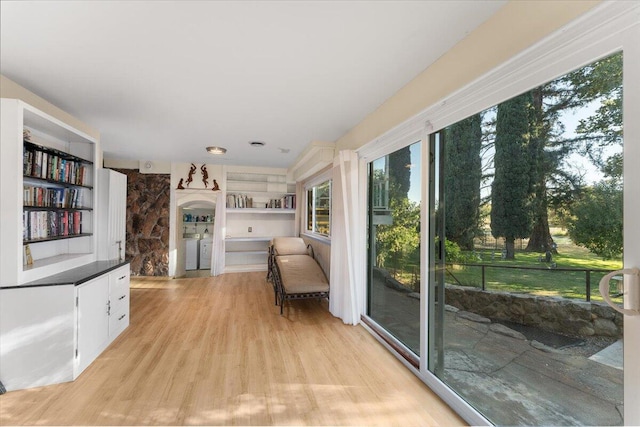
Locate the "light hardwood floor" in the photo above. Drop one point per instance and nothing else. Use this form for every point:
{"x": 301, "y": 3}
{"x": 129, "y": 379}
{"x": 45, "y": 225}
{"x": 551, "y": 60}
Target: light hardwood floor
{"x": 216, "y": 351}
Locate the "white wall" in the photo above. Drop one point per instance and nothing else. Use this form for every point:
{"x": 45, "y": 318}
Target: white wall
{"x": 515, "y": 27}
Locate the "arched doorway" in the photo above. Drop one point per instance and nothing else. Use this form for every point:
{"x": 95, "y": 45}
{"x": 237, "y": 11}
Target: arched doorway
{"x": 194, "y": 231}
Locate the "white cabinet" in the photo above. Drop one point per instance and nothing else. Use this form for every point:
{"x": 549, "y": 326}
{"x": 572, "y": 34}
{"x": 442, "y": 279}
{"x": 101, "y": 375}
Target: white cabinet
{"x": 112, "y": 214}
{"x": 93, "y": 321}
{"x": 47, "y": 200}
{"x": 37, "y": 336}
{"x": 260, "y": 205}
{"x": 102, "y": 314}
{"x": 53, "y": 328}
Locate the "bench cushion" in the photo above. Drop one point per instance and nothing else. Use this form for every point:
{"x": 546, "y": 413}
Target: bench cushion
{"x": 289, "y": 246}
{"x": 301, "y": 274}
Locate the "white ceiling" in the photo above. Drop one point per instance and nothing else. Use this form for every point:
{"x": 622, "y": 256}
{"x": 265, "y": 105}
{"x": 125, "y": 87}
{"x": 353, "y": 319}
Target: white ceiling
{"x": 162, "y": 80}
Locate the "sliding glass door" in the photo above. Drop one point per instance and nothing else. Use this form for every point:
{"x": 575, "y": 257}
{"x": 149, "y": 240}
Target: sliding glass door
{"x": 394, "y": 245}
{"x": 526, "y": 216}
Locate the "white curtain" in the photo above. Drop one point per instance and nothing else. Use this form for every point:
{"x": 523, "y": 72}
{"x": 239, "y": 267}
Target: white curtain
{"x": 347, "y": 293}
{"x": 219, "y": 231}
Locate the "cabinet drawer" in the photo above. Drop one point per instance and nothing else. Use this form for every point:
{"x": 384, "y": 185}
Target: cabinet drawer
{"x": 119, "y": 300}
{"x": 118, "y": 322}
{"x": 119, "y": 281}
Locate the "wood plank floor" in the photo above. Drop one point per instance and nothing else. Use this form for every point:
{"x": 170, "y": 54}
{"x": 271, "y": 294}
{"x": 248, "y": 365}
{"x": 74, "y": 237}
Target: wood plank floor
{"x": 215, "y": 351}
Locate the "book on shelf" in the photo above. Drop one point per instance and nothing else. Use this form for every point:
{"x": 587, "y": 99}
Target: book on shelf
{"x": 240, "y": 201}
{"x": 285, "y": 202}
{"x": 45, "y": 165}
{"x": 47, "y": 224}
{"x": 49, "y": 197}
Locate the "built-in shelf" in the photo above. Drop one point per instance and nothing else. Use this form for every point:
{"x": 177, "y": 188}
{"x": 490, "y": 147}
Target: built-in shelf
{"x": 49, "y": 203}
{"x": 63, "y": 155}
{"x": 49, "y": 208}
{"x": 52, "y": 238}
{"x": 248, "y": 239}
{"x": 262, "y": 252}
{"x": 62, "y": 184}
{"x": 54, "y": 261}
{"x": 260, "y": 205}
{"x": 261, "y": 210}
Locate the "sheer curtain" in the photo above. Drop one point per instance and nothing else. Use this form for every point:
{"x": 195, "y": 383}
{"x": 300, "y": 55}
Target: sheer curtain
{"x": 219, "y": 230}
{"x": 347, "y": 292}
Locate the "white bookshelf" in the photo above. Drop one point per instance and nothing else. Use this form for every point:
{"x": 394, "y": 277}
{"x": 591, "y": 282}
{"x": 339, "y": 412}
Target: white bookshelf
{"x": 267, "y": 211}
{"x": 51, "y": 252}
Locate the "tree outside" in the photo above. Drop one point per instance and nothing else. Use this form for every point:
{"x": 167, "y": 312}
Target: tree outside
{"x": 511, "y": 188}
{"x": 463, "y": 176}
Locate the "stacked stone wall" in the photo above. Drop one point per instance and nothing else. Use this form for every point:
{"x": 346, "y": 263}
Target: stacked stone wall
{"x": 564, "y": 316}
{"x": 148, "y": 201}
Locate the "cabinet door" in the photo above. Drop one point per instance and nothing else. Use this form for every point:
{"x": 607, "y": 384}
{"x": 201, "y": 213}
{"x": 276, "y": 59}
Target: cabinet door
{"x": 93, "y": 320}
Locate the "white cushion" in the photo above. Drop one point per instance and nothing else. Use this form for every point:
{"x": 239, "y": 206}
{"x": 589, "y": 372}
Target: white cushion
{"x": 289, "y": 246}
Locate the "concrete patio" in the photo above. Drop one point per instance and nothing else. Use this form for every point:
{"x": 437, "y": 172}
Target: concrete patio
{"x": 514, "y": 381}
{"x": 508, "y": 378}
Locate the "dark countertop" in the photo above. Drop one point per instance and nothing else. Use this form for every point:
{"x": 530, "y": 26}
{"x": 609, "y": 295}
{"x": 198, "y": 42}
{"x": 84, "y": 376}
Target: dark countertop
{"x": 75, "y": 276}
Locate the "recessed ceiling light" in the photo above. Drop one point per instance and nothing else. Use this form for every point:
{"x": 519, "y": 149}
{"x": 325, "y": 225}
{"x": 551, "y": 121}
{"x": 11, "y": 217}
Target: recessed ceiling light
{"x": 216, "y": 150}
{"x": 257, "y": 143}
{"x": 284, "y": 150}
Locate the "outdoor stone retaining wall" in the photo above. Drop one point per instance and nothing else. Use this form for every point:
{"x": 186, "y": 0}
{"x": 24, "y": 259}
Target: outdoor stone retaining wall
{"x": 148, "y": 198}
{"x": 564, "y": 316}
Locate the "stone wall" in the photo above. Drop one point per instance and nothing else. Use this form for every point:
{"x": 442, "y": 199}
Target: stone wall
{"x": 148, "y": 197}
{"x": 564, "y": 316}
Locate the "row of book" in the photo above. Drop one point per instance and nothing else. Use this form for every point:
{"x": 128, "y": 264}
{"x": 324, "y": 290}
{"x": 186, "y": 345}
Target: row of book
{"x": 46, "y": 224}
{"x": 241, "y": 201}
{"x": 40, "y": 164}
{"x": 52, "y": 197}
{"x": 286, "y": 202}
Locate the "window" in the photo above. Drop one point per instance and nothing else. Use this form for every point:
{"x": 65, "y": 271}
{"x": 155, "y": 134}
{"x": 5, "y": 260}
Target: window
{"x": 319, "y": 209}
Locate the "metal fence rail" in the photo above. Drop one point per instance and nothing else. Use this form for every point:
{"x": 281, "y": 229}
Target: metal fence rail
{"x": 587, "y": 272}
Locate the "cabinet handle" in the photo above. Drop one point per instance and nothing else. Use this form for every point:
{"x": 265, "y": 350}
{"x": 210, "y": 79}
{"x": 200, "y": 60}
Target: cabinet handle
{"x": 122, "y": 317}
{"x": 122, "y": 277}
{"x": 108, "y": 308}
{"x": 122, "y": 297}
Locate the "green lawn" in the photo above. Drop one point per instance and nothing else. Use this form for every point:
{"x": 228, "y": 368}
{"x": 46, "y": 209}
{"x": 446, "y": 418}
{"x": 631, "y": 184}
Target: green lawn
{"x": 545, "y": 282}
{"x": 550, "y": 281}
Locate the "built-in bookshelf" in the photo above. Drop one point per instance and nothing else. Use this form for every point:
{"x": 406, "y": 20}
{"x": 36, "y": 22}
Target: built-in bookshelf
{"x": 246, "y": 201}
{"x": 259, "y": 191}
{"x": 260, "y": 205}
{"x": 54, "y": 187}
{"x": 48, "y": 206}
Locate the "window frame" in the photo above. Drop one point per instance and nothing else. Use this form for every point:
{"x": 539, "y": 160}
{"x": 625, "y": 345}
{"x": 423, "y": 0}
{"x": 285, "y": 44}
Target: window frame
{"x": 311, "y": 185}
